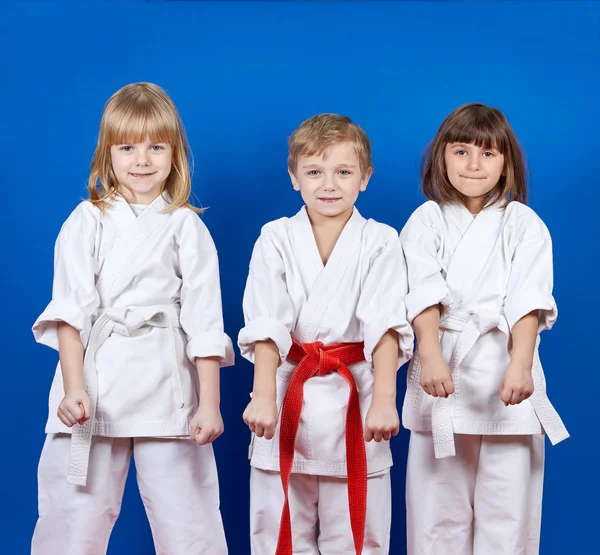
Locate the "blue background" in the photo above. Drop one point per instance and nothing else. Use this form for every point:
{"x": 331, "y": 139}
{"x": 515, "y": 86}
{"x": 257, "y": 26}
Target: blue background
{"x": 244, "y": 75}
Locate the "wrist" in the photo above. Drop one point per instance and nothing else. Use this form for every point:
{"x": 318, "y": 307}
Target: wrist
{"x": 209, "y": 400}
{"x": 430, "y": 351}
{"x": 74, "y": 386}
{"x": 522, "y": 360}
{"x": 267, "y": 394}
{"x": 384, "y": 396}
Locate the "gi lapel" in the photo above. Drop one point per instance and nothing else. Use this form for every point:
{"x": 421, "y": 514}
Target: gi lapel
{"x": 330, "y": 277}
{"x": 134, "y": 232}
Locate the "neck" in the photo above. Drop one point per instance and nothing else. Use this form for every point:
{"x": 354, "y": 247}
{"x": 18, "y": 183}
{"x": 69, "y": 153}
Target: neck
{"x": 141, "y": 198}
{"x": 475, "y": 205}
{"x": 327, "y": 230}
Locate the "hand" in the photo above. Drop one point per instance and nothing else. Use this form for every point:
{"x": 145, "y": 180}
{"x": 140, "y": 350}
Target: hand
{"x": 517, "y": 384}
{"x": 207, "y": 424}
{"x": 382, "y": 420}
{"x": 75, "y": 408}
{"x": 436, "y": 378}
{"x": 261, "y": 416}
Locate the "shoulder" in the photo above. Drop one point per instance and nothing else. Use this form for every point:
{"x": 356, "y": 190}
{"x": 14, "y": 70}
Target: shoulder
{"x": 428, "y": 216}
{"x": 82, "y": 220}
{"x": 276, "y": 228}
{"x": 187, "y": 218}
{"x": 429, "y": 212}
{"x": 274, "y": 235}
{"x": 190, "y": 230}
{"x": 524, "y": 221}
{"x": 378, "y": 233}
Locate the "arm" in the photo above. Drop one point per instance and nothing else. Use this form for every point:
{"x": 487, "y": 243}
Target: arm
{"x": 207, "y": 424}
{"x": 436, "y": 378}
{"x": 67, "y": 321}
{"x": 266, "y": 338}
{"x": 529, "y": 305}
{"x": 517, "y": 384}
{"x": 382, "y": 420}
{"x": 261, "y": 413}
{"x": 201, "y": 318}
{"x": 75, "y": 406}
{"x": 427, "y": 292}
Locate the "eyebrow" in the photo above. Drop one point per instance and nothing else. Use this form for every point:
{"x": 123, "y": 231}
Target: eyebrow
{"x": 342, "y": 165}
{"x": 464, "y": 145}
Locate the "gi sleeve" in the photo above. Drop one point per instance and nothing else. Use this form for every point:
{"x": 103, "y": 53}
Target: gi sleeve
{"x": 201, "y": 314}
{"x": 268, "y": 309}
{"x": 75, "y": 299}
{"x": 531, "y": 279}
{"x": 420, "y": 240}
{"x": 381, "y": 306}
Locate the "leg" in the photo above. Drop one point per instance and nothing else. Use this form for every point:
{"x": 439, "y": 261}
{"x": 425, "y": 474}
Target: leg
{"x": 335, "y": 536}
{"x": 180, "y": 490}
{"x": 508, "y": 495}
{"x": 74, "y": 519}
{"x": 266, "y": 503}
{"x": 439, "y": 496}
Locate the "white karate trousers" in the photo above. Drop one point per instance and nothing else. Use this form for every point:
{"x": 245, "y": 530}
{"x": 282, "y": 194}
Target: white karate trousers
{"x": 178, "y": 485}
{"x": 486, "y": 500}
{"x": 319, "y": 513}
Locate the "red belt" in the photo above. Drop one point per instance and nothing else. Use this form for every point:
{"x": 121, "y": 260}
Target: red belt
{"x": 316, "y": 359}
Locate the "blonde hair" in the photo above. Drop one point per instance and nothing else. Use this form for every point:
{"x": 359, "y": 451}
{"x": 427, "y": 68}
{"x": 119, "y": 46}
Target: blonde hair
{"x": 133, "y": 114}
{"x": 317, "y": 134}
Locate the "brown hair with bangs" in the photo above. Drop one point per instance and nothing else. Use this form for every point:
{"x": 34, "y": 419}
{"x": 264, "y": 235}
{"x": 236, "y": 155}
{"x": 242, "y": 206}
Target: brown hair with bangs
{"x": 486, "y": 127}
{"x": 137, "y": 112}
{"x": 317, "y": 134}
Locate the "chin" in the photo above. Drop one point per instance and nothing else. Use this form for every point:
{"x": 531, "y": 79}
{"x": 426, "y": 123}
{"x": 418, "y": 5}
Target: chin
{"x": 331, "y": 211}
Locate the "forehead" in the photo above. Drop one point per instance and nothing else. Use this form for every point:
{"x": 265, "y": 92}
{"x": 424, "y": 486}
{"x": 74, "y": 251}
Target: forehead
{"x": 339, "y": 153}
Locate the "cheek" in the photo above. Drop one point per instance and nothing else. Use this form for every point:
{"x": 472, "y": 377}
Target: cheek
{"x": 451, "y": 166}
{"x": 118, "y": 165}
{"x": 308, "y": 186}
{"x": 167, "y": 163}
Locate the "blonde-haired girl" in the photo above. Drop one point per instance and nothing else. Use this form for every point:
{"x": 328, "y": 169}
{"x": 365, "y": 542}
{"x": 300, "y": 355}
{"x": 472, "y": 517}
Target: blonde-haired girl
{"x": 136, "y": 317}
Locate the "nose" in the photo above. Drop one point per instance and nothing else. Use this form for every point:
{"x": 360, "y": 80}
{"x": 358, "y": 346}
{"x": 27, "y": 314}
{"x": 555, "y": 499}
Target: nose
{"x": 143, "y": 157}
{"x": 473, "y": 162}
{"x": 328, "y": 184}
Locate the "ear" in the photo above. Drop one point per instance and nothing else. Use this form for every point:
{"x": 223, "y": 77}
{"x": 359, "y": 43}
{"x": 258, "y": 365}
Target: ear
{"x": 365, "y": 178}
{"x": 294, "y": 179}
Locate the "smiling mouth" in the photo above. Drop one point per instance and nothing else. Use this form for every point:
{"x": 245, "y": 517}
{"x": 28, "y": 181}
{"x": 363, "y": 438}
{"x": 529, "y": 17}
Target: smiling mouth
{"x": 469, "y": 177}
{"x": 141, "y": 175}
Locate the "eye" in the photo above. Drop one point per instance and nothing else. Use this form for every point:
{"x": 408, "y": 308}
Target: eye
{"x": 313, "y": 172}
{"x": 157, "y": 148}
{"x": 345, "y": 172}
{"x": 488, "y": 154}
{"x": 460, "y": 152}
{"x": 126, "y": 148}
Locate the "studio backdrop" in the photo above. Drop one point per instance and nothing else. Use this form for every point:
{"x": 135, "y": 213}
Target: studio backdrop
{"x": 244, "y": 75}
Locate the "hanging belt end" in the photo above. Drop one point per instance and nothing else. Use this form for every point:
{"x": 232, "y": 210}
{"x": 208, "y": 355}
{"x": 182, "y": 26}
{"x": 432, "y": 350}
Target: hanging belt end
{"x": 77, "y": 479}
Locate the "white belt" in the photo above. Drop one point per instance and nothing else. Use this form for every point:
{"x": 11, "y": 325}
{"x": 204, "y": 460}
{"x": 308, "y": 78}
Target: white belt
{"x": 471, "y": 328}
{"x": 123, "y": 321}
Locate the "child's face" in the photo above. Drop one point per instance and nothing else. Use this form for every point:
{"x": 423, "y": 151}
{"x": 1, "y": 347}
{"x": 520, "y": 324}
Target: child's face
{"x": 472, "y": 170}
{"x": 330, "y": 184}
{"x": 142, "y": 168}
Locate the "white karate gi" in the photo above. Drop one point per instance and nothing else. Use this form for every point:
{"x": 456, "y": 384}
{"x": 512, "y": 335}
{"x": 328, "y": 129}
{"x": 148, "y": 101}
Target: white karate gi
{"x": 358, "y": 296}
{"x": 144, "y": 294}
{"x": 488, "y": 271}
